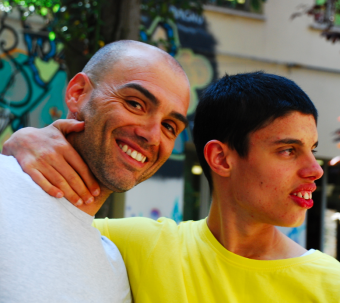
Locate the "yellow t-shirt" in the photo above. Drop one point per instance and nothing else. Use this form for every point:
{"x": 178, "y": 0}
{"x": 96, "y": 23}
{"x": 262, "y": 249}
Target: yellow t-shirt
{"x": 185, "y": 263}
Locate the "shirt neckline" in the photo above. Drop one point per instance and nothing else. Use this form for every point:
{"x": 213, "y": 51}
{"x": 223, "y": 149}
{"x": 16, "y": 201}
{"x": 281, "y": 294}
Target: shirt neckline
{"x": 76, "y": 212}
{"x": 240, "y": 261}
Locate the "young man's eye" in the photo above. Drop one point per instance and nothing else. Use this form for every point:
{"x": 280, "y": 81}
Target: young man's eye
{"x": 135, "y": 104}
{"x": 287, "y": 152}
{"x": 314, "y": 151}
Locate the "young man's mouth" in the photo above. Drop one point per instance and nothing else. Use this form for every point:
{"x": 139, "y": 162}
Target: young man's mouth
{"x": 132, "y": 153}
{"x": 303, "y": 195}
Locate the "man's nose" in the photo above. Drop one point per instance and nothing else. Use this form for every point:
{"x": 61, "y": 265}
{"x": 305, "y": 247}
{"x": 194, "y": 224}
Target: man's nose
{"x": 312, "y": 169}
{"x": 150, "y": 131}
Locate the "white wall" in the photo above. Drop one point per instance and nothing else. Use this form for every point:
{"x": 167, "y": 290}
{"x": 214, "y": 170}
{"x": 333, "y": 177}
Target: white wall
{"x": 156, "y": 197}
{"x": 286, "y": 47}
{"x": 277, "y": 37}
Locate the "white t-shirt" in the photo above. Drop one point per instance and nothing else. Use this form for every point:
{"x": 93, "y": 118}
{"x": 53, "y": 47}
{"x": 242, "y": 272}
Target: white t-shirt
{"x": 49, "y": 252}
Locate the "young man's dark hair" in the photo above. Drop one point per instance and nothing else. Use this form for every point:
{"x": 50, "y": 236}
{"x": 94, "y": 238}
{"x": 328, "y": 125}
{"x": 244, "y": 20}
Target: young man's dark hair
{"x": 238, "y": 105}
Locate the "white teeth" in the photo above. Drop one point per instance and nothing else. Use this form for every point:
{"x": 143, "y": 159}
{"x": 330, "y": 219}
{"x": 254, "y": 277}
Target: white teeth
{"x": 139, "y": 157}
{"x": 306, "y": 195}
{"x": 132, "y": 153}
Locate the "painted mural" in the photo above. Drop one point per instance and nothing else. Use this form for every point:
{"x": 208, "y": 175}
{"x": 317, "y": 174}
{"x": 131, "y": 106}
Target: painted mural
{"x": 32, "y": 73}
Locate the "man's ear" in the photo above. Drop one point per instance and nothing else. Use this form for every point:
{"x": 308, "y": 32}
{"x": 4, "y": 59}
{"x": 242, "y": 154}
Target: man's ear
{"x": 217, "y": 154}
{"x": 78, "y": 90}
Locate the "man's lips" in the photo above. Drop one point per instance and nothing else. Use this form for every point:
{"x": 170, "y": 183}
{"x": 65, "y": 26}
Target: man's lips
{"x": 131, "y": 152}
{"x": 302, "y": 195}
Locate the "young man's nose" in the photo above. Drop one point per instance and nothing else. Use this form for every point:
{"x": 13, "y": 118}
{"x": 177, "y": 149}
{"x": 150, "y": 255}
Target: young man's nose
{"x": 150, "y": 132}
{"x": 312, "y": 169}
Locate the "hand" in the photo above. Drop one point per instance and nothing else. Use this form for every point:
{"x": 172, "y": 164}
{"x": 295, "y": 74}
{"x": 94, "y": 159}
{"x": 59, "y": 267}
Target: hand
{"x": 52, "y": 162}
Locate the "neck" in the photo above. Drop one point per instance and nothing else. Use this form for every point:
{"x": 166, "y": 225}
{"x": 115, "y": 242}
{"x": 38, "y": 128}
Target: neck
{"x": 241, "y": 234}
{"x": 92, "y": 209}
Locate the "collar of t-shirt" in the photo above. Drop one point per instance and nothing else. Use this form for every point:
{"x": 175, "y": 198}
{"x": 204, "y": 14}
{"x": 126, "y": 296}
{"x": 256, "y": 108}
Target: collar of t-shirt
{"x": 76, "y": 212}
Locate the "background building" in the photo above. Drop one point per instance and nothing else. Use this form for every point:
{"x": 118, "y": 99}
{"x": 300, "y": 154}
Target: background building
{"x": 230, "y": 37}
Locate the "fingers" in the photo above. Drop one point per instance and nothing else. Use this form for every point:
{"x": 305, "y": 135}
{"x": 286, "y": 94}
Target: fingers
{"x": 67, "y": 126}
{"x": 53, "y": 163}
{"x": 53, "y": 183}
{"x": 71, "y": 184}
{"x": 78, "y": 164}
{"x": 38, "y": 178}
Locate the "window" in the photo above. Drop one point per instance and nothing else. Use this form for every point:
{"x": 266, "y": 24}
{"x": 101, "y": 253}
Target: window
{"x": 326, "y": 12}
{"x": 253, "y": 6}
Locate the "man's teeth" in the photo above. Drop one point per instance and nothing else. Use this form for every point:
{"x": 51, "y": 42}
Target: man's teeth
{"x": 132, "y": 153}
{"x": 305, "y": 195}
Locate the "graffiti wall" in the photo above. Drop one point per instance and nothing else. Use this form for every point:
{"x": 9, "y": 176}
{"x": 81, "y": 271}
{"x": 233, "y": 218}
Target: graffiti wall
{"x": 32, "y": 74}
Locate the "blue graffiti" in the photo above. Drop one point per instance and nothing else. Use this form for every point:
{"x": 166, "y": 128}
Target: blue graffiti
{"x": 295, "y": 233}
{"x": 28, "y": 91}
{"x": 177, "y": 215}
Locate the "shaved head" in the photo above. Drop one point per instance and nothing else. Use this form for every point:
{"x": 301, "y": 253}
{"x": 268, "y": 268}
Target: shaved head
{"x": 134, "y": 94}
{"x": 104, "y": 60}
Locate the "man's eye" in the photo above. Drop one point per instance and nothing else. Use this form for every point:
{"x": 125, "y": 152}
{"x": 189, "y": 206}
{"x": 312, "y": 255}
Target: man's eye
{"x": 169, "y": 127}
{"x": 314, "y": 151}
{"x": 135, "y": 104}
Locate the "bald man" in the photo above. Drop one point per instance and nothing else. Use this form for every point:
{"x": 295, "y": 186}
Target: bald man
{"x": 133, "y": 99}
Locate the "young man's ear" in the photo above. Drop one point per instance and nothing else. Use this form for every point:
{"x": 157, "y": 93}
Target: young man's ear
{"x": 78, "y": 90}
{"x": 217, "y": 154}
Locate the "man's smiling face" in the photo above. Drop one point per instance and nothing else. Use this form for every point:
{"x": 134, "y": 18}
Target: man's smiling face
{"x": 274, "y": 182}
{"x": 132, "y": 118}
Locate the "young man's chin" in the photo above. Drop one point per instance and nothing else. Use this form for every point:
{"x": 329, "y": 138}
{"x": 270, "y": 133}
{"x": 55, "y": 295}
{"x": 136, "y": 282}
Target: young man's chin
{"x": 296, "y": 223}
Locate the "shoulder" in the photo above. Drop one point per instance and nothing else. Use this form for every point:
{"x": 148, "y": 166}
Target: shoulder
{"x": 12, "y": 175}
{"x": 10, "y": 168}
{"x": 328, "y": 262}
{"x": 8, "y": 163}
{"x": 136, "y": 226}
{"x": 137, "y": 232}
{"x": 325, "y": 266}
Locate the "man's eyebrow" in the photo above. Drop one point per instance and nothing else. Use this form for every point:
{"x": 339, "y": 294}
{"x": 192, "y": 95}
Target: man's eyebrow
{"x": 180, "y": 117}
{"x": 144, "y": 91}
{"x": 155, "y": 101}
{"x": 292, "y": 141}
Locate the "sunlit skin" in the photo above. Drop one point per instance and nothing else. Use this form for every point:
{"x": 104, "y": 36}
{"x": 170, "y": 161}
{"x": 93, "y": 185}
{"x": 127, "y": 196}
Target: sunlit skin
{"x": 253, "y": 194}
{"x": 142, "y": 104}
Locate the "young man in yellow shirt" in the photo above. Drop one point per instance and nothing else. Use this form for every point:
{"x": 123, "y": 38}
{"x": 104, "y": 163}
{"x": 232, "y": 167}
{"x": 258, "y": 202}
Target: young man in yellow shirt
{"x": 255, "y": 136}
